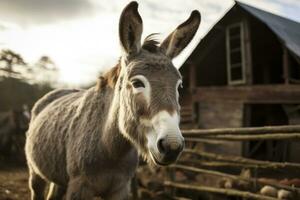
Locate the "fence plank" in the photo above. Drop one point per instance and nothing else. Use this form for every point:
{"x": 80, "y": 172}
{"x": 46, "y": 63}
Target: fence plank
{"x": 234, "y": 177}
{"x": 248, "y": 131}
{"x": 229, "y": 192}
{"x": 277, "y": 136}
{"x": 216, "y": 164}
{"x": 242, "y": 160}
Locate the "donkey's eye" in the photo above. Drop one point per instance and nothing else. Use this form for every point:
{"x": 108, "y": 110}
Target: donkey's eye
{"x": 138, "y": 84}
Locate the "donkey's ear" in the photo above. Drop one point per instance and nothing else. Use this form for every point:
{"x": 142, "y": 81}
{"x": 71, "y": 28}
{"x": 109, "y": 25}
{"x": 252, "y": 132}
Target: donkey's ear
{"x": 181, "y": 36}
{"x": 130, "y": 29}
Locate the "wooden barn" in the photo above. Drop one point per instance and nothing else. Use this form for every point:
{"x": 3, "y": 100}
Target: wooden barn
{"x": 245, "y": 73}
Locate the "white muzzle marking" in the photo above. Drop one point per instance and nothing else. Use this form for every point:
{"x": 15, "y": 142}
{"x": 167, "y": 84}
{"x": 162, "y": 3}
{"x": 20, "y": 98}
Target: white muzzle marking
{"x": 166, "y": 127}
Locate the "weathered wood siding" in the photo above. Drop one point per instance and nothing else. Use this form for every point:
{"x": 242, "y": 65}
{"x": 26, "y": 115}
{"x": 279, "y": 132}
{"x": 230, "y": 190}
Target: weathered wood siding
{"x": 294, "y": 146}
{"x": 221, "y": 115}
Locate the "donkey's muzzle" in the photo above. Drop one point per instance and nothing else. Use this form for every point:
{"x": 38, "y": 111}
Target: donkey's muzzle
{"x": 170, "y": 147}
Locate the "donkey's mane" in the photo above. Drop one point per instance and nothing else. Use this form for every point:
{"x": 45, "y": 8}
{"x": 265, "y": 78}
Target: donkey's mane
{"x": 151, "y": 43}
{"x": 110, "y": 77}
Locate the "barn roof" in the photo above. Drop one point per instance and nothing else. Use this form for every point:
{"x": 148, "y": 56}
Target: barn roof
{"x": 287, "y": 30}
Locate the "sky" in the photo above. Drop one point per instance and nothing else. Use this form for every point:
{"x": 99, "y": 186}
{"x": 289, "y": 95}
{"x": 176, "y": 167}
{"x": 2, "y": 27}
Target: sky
{"x": 81, "y": 36}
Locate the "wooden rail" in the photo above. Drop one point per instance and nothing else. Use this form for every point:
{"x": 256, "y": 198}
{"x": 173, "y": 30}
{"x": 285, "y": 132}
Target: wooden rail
{"x": 205, "y": 141}
{"x": 242, "y": 131}
{"x": 219, "y": 137}
{"x": 229, "y": 192}
{"x": 227, "y": 137}
{"x": 222, "y": 164}
{"x": 241, "y": 160}
{"x": 253, "y": 181}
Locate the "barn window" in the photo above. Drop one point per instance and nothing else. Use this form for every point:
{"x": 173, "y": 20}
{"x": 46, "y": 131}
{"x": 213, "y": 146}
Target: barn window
{"x": 235, "y": 54}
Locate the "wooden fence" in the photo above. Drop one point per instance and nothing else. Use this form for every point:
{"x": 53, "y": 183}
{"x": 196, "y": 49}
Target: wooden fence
{"x": 206, "y": 162}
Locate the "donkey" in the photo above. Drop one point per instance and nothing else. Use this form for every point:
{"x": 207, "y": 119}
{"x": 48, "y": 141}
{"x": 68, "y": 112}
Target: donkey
{"x": 86, "y": 143}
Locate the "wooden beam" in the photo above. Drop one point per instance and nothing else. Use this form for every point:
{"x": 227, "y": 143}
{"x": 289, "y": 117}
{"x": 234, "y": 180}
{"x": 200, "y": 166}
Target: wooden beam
{"x": 264, "y": 137}
{"x": 242, "y": 160}
{"x": 244, "y": 130}
{"x": 253, "y": 181}
{"x": 192, "y": 77}
{"x": 285, "y": 64}
{"x": 277, "y": 94}
{"x": 229, "y": 192}
{"x": 222, "y": 165}
{"x": 204, "y": 141}
{"x": 248, "y": 53}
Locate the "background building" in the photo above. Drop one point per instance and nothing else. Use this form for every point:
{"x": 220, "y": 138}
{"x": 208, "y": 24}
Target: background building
{"x": 245, "y": 72}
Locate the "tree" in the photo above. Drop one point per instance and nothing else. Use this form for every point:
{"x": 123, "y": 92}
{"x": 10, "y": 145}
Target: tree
{"x": 9, "y": 60}
{"x": 44, "y": 71}
{"x": 47, "y": 63}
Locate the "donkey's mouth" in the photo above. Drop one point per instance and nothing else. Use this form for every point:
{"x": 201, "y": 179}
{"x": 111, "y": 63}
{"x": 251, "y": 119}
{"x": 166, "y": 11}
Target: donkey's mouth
{"x": 157, "y": 161}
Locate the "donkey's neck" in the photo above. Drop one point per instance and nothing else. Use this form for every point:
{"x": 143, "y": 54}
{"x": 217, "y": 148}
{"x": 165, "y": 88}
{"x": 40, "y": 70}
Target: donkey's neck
{"x": 113, "y": 139}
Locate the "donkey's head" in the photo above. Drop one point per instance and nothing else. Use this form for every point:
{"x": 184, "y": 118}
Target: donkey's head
{"x": 148, "y": 86}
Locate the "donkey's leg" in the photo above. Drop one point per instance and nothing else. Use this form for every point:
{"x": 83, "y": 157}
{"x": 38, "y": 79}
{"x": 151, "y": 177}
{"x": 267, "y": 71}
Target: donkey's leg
{"x": 56, "y": 192}
{"x": 37, "y": 186}
{"x": 79, "y": 189}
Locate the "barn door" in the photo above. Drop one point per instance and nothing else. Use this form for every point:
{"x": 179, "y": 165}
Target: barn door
{"x": 257, "y": 115}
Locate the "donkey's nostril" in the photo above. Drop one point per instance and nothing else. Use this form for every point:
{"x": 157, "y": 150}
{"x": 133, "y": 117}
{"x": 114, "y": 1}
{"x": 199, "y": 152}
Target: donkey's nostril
{"x": 166, "y": 146}
{"x": 161, "y": 145}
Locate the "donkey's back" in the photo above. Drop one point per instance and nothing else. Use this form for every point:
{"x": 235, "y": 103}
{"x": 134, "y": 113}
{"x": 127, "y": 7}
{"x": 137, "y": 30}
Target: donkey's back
{"x": 49, "y": 98}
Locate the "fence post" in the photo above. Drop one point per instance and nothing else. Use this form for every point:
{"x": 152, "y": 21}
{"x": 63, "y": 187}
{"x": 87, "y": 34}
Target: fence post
{"x": 171, "y": 177}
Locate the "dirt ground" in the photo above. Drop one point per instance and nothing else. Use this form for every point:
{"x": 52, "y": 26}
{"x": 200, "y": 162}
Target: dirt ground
{"x": 13, "y": 183}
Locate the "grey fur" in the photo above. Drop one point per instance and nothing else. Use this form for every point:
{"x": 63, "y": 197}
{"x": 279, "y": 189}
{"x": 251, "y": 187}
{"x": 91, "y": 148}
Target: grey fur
{"x": 86, "y": 142}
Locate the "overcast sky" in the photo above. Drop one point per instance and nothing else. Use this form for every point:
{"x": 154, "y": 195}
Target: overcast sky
{"x": 81, "y": 35}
